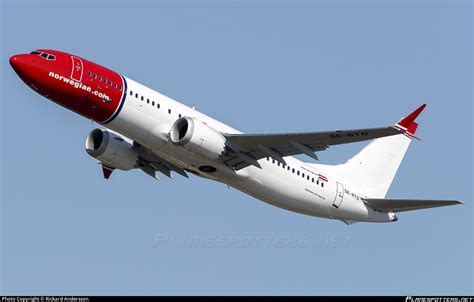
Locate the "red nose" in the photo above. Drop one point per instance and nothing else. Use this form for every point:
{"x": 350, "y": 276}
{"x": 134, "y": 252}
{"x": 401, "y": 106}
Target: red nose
{"x": 20, "y": 64}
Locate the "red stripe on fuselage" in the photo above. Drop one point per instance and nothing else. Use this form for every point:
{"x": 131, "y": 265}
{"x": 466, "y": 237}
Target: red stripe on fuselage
{"x": 80, "y": 85}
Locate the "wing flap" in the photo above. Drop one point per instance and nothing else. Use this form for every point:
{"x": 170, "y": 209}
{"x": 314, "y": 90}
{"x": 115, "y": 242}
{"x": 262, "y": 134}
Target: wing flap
{"x": 150, "y": 162}
{"x": 402, "y": 205}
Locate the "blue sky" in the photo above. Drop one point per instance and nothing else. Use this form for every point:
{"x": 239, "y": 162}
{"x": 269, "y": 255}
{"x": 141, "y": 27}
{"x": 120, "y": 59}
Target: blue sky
{"x": 260, "y": 66}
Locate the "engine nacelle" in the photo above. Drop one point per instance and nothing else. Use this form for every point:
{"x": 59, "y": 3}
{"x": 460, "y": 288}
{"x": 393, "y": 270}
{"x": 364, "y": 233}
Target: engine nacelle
{"x": 111, "y": 149}
{"x": 197, "y": 137}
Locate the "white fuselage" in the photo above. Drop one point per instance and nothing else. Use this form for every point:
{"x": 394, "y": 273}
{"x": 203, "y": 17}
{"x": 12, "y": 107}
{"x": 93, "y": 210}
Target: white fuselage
{"x": 143, "y": 120}
{"x": 147, "y": 116}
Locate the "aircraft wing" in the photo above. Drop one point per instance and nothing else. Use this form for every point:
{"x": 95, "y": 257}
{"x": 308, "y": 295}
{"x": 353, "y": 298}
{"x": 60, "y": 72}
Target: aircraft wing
{"x": 402, "y": 205}
{"x": 151, "y": 163}
{"x": 246, "y": 149}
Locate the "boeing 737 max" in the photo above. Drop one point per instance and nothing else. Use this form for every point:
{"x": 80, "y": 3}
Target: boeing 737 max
{"x": 149, "y": 131}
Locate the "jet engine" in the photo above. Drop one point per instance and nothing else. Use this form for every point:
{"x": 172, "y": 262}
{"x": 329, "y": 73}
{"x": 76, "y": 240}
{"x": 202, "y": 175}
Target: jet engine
{"x": 111, "y": 149}
{"x": 197, "y": 137}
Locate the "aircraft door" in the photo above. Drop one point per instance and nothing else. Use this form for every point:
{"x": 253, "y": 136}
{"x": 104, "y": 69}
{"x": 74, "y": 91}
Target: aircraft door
{"x": 77, "y": 69}
{"x": 339, "y": 195}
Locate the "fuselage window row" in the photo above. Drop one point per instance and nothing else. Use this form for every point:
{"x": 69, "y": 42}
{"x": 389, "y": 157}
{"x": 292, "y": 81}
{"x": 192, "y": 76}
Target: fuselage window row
{"x": 152, "y": 102}
{"x": 107, "y": 82}
{"x": 297, "y": 172}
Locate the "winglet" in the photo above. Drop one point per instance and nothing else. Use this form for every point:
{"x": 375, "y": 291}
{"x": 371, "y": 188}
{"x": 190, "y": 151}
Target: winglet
{"x": 107, "y": 171}
{"x": 407, "y": 125}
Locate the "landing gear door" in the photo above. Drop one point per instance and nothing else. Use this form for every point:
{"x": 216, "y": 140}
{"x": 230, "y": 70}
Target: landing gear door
{"x": 339, "y": 195}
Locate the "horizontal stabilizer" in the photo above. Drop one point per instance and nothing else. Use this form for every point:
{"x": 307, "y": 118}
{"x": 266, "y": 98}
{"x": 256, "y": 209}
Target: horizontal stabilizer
{"x": 401, "y": 205}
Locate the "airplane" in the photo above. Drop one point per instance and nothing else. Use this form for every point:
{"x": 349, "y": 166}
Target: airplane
{"x": 144, "y": 129}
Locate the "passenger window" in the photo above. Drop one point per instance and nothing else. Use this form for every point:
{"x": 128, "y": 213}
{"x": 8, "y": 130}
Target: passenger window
{"x": 147, "y": 101}
{"x": 153, "y": 103}
{"x": 273, "y": 161}
{"x": 110, "y": 84}
{"x": 307, "y": 177}
{"x": 298, "y": 173}
{"x": 120, "y": 88}
{"x": 89, "y": 73}
{"x": 179, "y": 115}
{"x": 312, "y": 179}
{"x": 158, "y": 105}
{"x": 322, "y": 184}
{"x": 100, "y": 78}
{"x": 105, "y": 80}
{"x": 115, "y": 85}
{"x": 302, "y": 174}
{"x": 169, "y": 111}
{"x": 317, "y": 182}
{"x": 288, "y": 168}
{"x": 131, "y": 93}
{"x": 278, "y": 163}
{"x": 95, "y": 75}
{"x": 293, "y": 170}
{"x": 136, "y": 95}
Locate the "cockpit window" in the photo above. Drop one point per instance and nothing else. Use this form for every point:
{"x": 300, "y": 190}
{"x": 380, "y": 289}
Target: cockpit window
{"x": 43, "y": 55}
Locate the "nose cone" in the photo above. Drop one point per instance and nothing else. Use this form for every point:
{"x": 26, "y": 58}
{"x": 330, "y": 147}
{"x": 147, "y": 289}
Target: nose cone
{"x": 20, "y": 64}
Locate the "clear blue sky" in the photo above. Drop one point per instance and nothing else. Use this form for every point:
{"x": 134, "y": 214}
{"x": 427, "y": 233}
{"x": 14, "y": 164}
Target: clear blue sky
{"x": 260, "y": 66}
